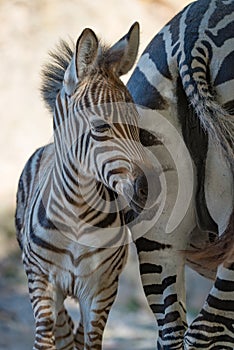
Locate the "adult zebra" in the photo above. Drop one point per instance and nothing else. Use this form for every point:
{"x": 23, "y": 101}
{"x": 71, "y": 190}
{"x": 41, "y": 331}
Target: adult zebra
{"x": 186, "y": 75}
{"x": 69, "y": 220}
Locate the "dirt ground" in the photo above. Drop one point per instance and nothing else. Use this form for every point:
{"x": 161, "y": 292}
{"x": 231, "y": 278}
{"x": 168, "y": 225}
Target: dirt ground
{"x": 28, "y": 29}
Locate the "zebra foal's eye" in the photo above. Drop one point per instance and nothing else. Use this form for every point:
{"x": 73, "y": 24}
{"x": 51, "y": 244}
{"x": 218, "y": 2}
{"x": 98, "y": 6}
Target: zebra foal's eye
{"x": 100, "y": 126}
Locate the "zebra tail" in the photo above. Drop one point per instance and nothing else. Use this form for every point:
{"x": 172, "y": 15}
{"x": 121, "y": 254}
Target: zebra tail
{"x": 215, "y": 120}
{"x": 219, "y": 125}
{"x": 217, "y": 252}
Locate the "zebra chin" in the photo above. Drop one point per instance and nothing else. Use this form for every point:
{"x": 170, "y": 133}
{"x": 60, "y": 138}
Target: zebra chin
{"x": 144, "y": 192}
{"x": 136, "y": 207}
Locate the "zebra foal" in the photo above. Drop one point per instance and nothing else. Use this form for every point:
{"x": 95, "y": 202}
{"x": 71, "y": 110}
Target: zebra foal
{"x": 69, "y": 220}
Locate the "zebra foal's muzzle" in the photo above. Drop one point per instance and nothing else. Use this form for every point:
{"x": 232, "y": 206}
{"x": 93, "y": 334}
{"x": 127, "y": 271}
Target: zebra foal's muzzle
{"x": 146, "y": 189}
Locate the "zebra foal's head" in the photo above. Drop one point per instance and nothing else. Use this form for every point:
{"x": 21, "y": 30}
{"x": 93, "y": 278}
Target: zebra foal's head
{"x": 99, "y": 118}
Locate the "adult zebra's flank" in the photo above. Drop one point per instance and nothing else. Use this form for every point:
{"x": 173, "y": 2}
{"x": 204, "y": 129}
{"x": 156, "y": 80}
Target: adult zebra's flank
{"x": 186, "y": 77}
{"x": 70, "y": 223}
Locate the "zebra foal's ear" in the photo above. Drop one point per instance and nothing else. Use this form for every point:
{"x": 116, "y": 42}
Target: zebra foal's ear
{"x": 83, "y": 60}
{"x": 86, "y": 52}
{"x": 124, "y": 53}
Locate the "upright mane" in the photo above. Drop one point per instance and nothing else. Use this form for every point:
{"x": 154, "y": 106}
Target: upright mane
{"x": 53, "y": 72}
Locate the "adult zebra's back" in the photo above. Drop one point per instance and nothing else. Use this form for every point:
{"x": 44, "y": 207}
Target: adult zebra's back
{"x": 185, "y": 76}
{"x": 69, "y": 220}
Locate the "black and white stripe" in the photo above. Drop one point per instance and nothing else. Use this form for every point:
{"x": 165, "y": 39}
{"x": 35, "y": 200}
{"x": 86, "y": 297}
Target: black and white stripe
{"x": 69, "y": 222}
{"x": 186, "y": 74}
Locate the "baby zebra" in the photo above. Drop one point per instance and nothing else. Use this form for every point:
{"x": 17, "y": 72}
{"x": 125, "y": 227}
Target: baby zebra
{"x": 70, "y": 225}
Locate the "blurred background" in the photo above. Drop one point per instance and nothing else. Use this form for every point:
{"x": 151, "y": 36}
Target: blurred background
{"x": 29, "y": 28}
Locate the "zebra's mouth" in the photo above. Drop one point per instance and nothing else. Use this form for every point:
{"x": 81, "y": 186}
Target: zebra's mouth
{"x": 136, "y": 197}
{"x": 136, "y": 203}
{"x": 136, "y": 207}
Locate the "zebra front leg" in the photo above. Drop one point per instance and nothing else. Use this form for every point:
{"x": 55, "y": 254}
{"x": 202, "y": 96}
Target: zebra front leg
{"x": 64, "y": 337}
{"x": 94, "y": 328}
{"x": 162, "y": 274}
{"x": 213, "y": 328}
{"x": 95, "y": 314}
{"x": 79, "y": 335}
{"x": 44, "y": 299}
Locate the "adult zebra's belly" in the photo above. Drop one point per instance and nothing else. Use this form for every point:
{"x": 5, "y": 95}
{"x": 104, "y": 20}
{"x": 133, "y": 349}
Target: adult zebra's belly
{"x": 218, "y": 186}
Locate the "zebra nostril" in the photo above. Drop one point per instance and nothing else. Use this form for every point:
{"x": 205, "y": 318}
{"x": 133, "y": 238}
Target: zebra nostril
{"x": 142, "y": 192}
{"x": 141, "y": 187}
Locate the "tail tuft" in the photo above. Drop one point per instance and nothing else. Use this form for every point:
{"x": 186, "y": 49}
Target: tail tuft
{"x": 215, "y": 253}
{"x": 216, "y": 121}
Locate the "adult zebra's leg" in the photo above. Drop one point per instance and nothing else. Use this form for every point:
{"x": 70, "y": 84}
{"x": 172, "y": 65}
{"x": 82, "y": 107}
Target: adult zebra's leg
{"x": 44, "y": 299}
{"x": 64, "y": 337}
{"x": 213, "y": 328}
{"x": 162, "y": 274}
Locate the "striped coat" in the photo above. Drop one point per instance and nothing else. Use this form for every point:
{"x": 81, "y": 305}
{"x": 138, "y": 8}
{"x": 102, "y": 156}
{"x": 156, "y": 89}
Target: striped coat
{"x": 69, "y": 218}
{"x": 183, "y": 84}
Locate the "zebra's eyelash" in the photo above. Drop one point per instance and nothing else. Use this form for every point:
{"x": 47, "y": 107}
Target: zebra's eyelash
{"x": 100, "y": 126}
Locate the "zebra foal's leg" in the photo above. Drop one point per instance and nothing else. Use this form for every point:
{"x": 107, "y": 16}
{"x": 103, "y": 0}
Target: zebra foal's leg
{"x": 89, "y": 334}
{"x": 95, "y": 317}
{"x": 99, "y": 296}
{"x": 44, "y": 299}
{"x": 64, "y": 337}
{"x": 79, "y": 336}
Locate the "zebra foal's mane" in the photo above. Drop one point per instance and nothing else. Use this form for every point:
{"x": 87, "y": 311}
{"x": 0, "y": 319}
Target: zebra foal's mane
{"x": 52, "y": 73}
